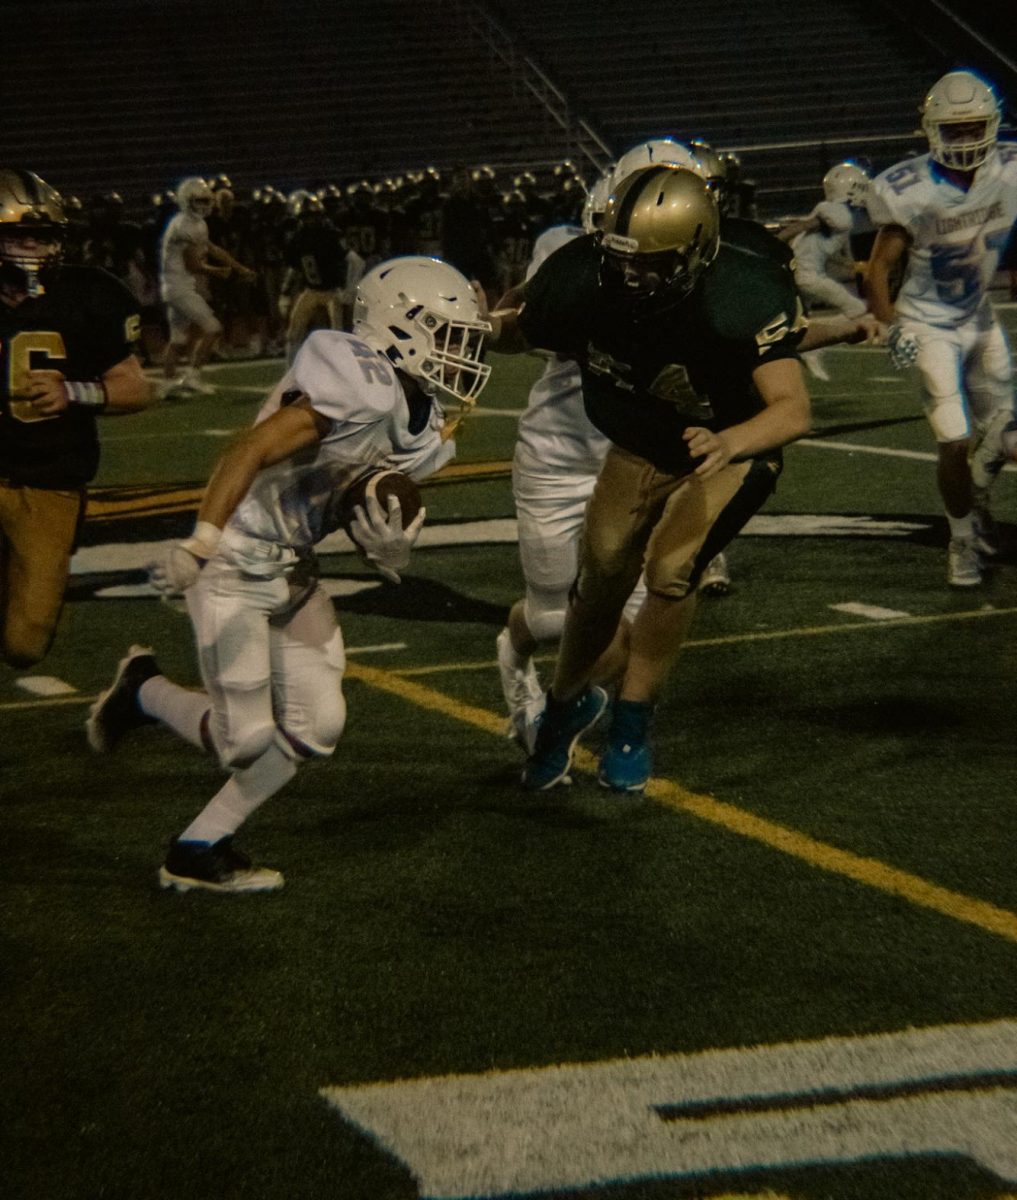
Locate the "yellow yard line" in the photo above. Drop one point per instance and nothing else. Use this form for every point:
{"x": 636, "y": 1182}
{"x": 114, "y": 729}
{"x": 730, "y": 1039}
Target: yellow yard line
{"x": 761, "y": 635}
{"x": 867, "y": 871}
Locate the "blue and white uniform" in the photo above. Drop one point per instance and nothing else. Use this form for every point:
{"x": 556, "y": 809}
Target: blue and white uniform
{"x": 269, "y": 644}
{"x": 823, "y": 259}
{"x": 957, "y": 238}
{"x": 184, "y": 293}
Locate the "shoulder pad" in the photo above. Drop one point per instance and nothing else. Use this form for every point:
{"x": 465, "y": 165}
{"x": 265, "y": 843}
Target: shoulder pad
{"x": 344, "y": 378}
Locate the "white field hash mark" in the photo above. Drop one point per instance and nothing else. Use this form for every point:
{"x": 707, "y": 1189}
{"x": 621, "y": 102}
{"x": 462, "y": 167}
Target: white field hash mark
{"x": 942, "y": 1090}
{"x": 44, "y": 685}
{"x": 874, "y": 612}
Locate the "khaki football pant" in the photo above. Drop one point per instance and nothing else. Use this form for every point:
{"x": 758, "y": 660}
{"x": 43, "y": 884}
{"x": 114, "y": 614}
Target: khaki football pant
{"x": 670, "y": 527}
{"x": 38, "y": 532}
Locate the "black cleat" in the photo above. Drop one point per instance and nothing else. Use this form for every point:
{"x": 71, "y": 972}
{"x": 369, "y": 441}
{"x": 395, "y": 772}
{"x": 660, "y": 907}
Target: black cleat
{"x": 218, "y": 867}
{"x": 117, "y": 710}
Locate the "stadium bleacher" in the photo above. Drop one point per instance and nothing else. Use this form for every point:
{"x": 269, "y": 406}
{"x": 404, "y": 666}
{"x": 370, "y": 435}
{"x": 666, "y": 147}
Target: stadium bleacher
{"x": 138, "y": 94}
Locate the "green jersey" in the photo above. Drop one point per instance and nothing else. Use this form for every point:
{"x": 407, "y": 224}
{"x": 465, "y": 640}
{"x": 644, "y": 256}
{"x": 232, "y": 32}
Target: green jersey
{"x": 653, "y": 369}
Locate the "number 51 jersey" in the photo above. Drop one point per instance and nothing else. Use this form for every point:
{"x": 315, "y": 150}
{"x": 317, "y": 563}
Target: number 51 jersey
{"x": 957, "y": 236}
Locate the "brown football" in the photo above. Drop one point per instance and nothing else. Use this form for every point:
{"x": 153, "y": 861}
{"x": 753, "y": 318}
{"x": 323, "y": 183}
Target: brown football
{"x": 382, "y": 483}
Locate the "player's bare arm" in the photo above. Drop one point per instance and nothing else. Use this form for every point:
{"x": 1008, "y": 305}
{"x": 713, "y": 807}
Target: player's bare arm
{"x": 787, "y": 416}
{"x": 283, "y": 434}
{"x": 890, "y": 246}
{"x": 122, "y": 389}
{"x": 228, "y": 261}
{"x": 794, "y": 228}
{"x": 506, "y": 337}
{"x": 198, "y": 265}
{"x": 841, "y": 330}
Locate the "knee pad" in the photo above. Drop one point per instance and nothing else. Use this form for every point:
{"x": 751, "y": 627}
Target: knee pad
{"x": 239, "y": 749}
{"x": 319, "y": 738}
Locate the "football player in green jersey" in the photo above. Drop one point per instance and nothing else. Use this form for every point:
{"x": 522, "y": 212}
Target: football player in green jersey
{"x": 66, "y": 354}
{"x": 687, "y": 341}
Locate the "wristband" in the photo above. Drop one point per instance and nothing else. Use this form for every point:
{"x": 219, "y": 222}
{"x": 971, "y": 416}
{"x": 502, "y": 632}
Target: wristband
{"x": 85, "y": 393}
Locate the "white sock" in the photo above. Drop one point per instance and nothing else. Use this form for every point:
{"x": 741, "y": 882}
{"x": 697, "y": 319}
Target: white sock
{"x": 961, "y": 527}
{"x": 181, "y": 709}
{"x": 240, "y": 795}
{"x": 519, "y": 661}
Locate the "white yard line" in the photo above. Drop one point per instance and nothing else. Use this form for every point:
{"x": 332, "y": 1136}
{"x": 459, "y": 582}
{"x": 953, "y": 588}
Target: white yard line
{"x": 872, "y": 611}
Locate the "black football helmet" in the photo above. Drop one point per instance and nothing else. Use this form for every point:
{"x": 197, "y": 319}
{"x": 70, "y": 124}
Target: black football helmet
{"x": 32, "y": 228}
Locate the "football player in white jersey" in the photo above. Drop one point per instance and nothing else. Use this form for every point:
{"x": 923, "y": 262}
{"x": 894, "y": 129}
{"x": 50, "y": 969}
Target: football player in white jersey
{"x": 187, "y": 259}
{"x": 950, "y": 211}
{"x": 822, "y": 247}
{"x": 269, "y": 646}
{"x": 557, "y": 458}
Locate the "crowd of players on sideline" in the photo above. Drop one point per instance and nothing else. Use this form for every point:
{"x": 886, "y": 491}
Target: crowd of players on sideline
{"x": 494, "y": 226}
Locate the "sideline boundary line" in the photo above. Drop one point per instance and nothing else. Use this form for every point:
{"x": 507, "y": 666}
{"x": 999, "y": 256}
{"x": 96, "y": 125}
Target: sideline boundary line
{"x": 870, "y": 872}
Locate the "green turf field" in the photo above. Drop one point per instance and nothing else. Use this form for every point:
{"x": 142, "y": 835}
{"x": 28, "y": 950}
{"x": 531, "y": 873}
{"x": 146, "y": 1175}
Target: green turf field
{"x": 790, "y": 973}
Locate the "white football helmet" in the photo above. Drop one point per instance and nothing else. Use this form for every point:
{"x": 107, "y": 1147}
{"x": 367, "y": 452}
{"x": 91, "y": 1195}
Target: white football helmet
{"x": 423, "y": 315}
{"x": 960, "y": 118}
{"x": 654, "y": 153}
{"x": 714, "y": 169}
{"x": 592, "y": 216}
{"x": 194, "y": 196}
{"x": 846, "y": 183}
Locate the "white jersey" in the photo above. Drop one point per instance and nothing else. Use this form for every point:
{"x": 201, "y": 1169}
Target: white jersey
{"x": 957, "y": 236}
{"x": 555, "y": 433}
{"x": 183, "y": 230}
{"x": 827, "y": 250}
{"x": 295, "y": 503}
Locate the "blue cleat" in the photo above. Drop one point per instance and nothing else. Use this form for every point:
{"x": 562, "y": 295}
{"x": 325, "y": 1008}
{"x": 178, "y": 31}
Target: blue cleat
{"x": 627, "y": 762}
{"x": 559, "y": 728}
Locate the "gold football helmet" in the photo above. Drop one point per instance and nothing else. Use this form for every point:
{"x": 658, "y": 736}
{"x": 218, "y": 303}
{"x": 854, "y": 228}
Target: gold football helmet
{"x": 32, "y": 225}
{"x": 661, "y": 231}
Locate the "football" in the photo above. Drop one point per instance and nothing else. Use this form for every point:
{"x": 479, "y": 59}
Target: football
{"x": 382, "y": 483}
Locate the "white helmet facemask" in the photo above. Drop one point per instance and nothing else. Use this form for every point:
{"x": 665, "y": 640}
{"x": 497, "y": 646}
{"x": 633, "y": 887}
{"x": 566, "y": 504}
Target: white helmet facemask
{"x": 194, "y": 196}
{"x": 960, "y": 118}
{"x": 596, "y": 202}
{"x": 423, "y": 315}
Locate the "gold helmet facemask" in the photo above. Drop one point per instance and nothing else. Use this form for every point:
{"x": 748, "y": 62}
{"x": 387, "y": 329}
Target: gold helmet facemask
{"x": 32, "y": 226}
{"x": 661, "y": 231}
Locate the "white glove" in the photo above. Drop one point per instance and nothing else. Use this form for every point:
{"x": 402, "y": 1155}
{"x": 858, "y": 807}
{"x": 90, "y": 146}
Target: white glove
{"x": 903, "y": 347}
{"x": 182, "y": 565}
{"x": 381, "y": 537}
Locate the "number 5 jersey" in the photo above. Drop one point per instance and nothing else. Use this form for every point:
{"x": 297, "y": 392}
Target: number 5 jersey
{"x": 957, "y": 236}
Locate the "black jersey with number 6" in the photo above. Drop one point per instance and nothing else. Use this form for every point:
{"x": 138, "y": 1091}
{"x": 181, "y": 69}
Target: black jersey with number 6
{"x": 84, "y": 323}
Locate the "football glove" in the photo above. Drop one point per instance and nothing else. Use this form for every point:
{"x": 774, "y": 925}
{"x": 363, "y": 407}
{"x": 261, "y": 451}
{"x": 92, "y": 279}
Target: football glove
{"x": 182, "y": 565}
{"x": 902, "y": 346}
{"x": 381, "y": 537}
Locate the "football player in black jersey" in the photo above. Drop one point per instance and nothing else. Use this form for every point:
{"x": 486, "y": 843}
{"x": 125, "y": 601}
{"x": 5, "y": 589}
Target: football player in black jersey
{"x": 66, "y": 341}
{"x": 687, "y": 342}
